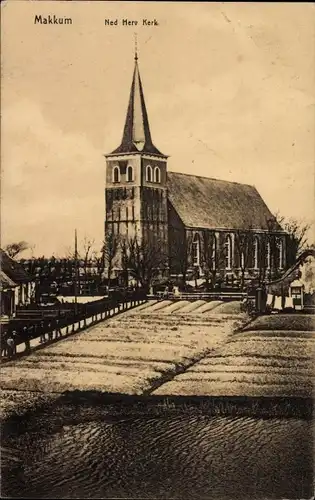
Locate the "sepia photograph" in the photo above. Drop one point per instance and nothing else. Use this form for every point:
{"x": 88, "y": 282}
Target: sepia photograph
{"x": 157, "y": 260}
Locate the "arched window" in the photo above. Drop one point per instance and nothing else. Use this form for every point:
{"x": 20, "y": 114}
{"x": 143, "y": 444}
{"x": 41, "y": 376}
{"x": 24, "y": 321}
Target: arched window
{"x": 214, "y": 253}
{"x": 129, "y": 173}
{"x": 116, "y": 174}
{"x": 280, "y": 250}
{"x": 242, "y": 263}
{"x": 157, "y": 175}
{"x": 256, "y": 253}
{"x": 196, "y": 250}
{"x": 228, "y": 252}
{"x": 149, "y": 173}
{"x": 268, "y": 255}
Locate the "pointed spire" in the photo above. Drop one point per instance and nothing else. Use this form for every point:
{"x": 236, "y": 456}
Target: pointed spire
{"x": 136, "y": 48}
{"x": 136, "y": 135}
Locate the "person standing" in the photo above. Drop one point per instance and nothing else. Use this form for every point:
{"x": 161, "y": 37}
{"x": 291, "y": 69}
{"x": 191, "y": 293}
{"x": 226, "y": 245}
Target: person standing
{"x": 26, "y": 339}
{"x": 4, "y": 345}
{"x": 31, "y": 332}
{"x": 14, "y": 336}
{"x": 58, "y": 330}
{"x": 10, "y": 346}
{"x": 42, "y": 339}
{"x": 50, "y": 331}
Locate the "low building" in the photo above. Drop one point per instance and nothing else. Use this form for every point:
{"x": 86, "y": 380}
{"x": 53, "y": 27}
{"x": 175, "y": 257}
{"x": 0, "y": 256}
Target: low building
{"x": 17, "y": 285}
{"x": 7, "y": 293}
{"x": 297, "y": 284}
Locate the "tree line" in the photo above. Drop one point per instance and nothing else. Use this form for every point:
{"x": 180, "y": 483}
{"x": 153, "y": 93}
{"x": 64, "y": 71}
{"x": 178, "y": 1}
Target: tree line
{"x": 145, "y": 259}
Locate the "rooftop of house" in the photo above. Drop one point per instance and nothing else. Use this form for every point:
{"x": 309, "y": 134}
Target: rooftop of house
{"x": 6, "y": 282}
{"x": 13, "y": 269}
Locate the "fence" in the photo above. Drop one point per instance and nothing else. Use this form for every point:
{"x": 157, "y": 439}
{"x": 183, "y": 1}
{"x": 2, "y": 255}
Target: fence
{"x": 224, "y": 296}
{"x": 33, "y": 323}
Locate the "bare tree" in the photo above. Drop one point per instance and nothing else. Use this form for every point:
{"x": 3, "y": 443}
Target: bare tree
{"x": 99, "y": 259}
{"x": 87, "y": 257}
{"x": 32, "y": 250}
{"x": 296, "y": 240}
{"x": 145, "y": 259}
{"x": 244, "y": 243}
{"x": 110, "y": 248}
{"x": 14, "y": 249}
{"x": 209, "y": 257}
{"x": 124, "y": 259}
{"x": 266, "y": 247}
{"x": 180, "y": 253}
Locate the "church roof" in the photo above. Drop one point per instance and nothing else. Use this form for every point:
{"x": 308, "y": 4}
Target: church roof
{"x": 212, "y": 203}
{"x": 136, "y": 136}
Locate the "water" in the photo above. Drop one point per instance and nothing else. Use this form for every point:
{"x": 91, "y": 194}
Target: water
{"x": 188, "y": 456}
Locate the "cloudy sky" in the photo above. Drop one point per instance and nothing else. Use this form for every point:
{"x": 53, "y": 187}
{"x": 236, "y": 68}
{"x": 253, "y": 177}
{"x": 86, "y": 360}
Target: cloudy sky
{"x": 229, "y": 90}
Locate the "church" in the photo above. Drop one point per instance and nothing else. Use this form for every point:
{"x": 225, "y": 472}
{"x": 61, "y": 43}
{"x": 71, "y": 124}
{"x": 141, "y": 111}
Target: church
{"x": 182, "y": 224}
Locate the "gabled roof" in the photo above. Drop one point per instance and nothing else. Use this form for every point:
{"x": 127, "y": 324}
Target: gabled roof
{"x": 6, "y": 282}
{"x": 137, "y": 136}
{"x": 14, "y": 270}
{"x": 300, "y": 260}
{"x": 211, "y": 203}
{"x": 281, "y": 285}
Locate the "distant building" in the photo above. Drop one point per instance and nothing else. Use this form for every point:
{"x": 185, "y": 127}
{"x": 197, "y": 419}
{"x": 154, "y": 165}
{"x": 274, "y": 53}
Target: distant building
{"x": 16, "y": 284}
{"x": 202, "y": 225}
{"x": 298, "y": 282}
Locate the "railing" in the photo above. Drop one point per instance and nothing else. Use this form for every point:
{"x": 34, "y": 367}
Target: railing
{"x": 31, "y": 324}
{"x": 224, "y": 296}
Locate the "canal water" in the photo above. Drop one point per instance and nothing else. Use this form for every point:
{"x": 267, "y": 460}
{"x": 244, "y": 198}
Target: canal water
{"x": 164, "y": 457}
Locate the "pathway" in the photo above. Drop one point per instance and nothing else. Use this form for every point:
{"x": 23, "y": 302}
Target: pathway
{"x": 133, "y": 353}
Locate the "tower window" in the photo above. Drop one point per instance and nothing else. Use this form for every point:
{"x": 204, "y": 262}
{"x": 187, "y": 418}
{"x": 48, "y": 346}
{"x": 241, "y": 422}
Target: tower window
{"x": 228, "y": 252}
{"x": 129, "y": 173}
{"x": 157, "y": 175}
{"x": 149, "y": 173}
{"x": 116, "y": 174}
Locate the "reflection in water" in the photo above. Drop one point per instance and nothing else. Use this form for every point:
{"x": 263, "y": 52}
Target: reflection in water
{"x": 168, "y": 457}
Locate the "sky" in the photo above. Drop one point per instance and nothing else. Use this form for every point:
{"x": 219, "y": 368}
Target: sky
{"x": 229, "y": 89}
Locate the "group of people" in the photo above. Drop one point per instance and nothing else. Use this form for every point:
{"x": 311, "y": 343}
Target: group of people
{"x": 8, "y": 344}
{"x": 45, "y": 330}
{"x": 171, "y": 291}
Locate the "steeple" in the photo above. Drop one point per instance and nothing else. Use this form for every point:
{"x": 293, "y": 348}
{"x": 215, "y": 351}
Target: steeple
{"x": 136, "y": 136}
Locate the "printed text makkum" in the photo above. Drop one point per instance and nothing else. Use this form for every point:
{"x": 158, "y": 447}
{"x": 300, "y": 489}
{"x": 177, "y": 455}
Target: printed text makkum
{"x": 53, "y": 19}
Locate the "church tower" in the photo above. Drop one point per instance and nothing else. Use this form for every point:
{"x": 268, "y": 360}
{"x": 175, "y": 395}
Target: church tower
{"x": 136, "y": 180}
